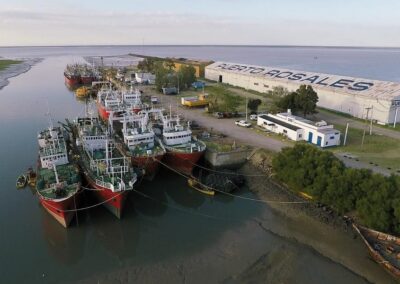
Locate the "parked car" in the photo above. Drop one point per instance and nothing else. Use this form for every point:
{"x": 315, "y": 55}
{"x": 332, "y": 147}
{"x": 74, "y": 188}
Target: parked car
{"x": 242, "y": 123}
{"x": 218, "y": 115}
{"x": 154, "y": 100}
{"x": 253, "y": 116}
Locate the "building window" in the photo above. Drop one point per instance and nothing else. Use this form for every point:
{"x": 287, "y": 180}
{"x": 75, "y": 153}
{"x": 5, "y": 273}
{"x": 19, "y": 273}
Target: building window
{"x": 300, "y": 136}
{"x": 266, "y": 86}
{"x": 285, "y": 131}
{"x": 332, "y": 137}
{"x": 255, "y": 84}
{"x": 326, "y": 143}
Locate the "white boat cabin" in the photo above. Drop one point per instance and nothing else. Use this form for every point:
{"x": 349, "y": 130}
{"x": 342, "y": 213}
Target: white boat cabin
{"x": 52, "y": 148}
{"x": 93, "y": 135}
{"x": 177, "y": 135}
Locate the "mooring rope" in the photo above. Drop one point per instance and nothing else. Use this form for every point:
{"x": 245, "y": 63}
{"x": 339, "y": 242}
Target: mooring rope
{"x": 226, "y": 173}
{"x": 234, "y": 195}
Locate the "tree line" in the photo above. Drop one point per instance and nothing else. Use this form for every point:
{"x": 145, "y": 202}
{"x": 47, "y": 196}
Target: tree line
{"x": 375, "y": 198}
{"x": 167, "y": 75}
{"x": 303, "y": 100}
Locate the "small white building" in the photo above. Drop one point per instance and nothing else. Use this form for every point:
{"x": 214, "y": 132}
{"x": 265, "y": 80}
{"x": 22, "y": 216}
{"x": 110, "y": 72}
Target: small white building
{"x": 299, "y": 129}
{"x": 145, "y": 78}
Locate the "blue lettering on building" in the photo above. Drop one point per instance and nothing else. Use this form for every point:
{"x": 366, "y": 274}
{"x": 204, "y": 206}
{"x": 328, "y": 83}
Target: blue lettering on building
{"x": 257, "y": 70}
{"x": 311, "y": 79}
{"x": 297, "y": 76}
{"x": 302, "y": 77}
{"x": 284, "y": 75}
{"x": 322, "y": 82}
{"x": 341, "y": 83}
{"x": 272, "y": 72}
{"x": 361, "y": 86}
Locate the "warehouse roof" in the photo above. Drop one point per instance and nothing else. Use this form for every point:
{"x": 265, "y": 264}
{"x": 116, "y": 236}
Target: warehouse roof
{"x": 349, "y": 85}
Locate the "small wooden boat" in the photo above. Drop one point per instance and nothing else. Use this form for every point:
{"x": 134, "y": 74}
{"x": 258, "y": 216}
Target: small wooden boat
{"x": 384, "y": 248}
{"x": 195, "y": 184}
{"x": 21, "y": 181}
{"x": 31, "y": 177}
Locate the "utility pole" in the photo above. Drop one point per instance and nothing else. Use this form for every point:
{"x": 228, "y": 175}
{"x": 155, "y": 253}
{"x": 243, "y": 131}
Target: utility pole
{"x": 345, "y": 134}
{"x": 370, "y": 126}
{"x": 177, "y": 75}
{"x": 366, "y": 123}
{"x": 395, "y": 117}
{"x": 246, "y": 107}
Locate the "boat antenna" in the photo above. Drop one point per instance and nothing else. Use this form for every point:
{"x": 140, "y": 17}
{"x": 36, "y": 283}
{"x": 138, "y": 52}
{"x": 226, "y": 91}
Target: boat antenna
{"x": 49, "y": 115}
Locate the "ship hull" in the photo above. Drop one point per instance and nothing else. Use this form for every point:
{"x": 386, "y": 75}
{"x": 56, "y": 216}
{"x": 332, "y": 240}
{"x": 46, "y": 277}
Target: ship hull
{"x": 104, "y": 114}
{"x": 71, "y": 81}
{"x": 113, "y": 201}
{"x": 150, "y": 165}
{"x": 182, "y": 162}
{"x": 87, "y": 80}
{"x": 57, "y": 208}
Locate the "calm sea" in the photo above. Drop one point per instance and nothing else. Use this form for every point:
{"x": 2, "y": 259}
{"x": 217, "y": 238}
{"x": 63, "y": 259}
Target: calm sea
{"x": 177, "y": 223}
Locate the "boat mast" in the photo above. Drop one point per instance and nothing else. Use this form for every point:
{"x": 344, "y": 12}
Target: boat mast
{"x": 55, "y": 173}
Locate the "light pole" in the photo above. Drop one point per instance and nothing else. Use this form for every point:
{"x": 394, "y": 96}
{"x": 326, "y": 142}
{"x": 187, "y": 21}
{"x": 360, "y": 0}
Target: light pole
{"x": 366, "y": 121}
{"x": 345, "y": 135}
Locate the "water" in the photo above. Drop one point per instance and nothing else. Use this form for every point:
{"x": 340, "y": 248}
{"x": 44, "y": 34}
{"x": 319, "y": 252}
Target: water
{"x": 177, "y": 226}
{"x": 371, "y": 63}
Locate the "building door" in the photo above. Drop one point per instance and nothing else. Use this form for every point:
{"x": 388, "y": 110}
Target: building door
{"x": 310, "y": 136}
{"x": 220, "y": 79}
{"x": 319, "y": 140}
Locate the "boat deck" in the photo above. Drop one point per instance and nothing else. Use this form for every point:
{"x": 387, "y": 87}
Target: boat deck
{"x": 68, "y": 176}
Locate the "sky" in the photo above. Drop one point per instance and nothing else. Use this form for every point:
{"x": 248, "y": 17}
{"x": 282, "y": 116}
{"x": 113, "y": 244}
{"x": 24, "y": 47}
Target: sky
{"x": 200, "y": 22}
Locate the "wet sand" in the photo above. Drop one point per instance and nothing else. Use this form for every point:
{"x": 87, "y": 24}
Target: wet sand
{"x": 16, "y": 69}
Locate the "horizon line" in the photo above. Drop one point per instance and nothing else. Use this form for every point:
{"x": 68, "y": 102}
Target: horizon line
{"x": 210, "y": 45}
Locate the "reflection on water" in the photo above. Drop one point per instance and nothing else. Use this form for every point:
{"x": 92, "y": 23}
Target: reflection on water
{"x": 65, "y": 246}
{"x": 157, "y": 230}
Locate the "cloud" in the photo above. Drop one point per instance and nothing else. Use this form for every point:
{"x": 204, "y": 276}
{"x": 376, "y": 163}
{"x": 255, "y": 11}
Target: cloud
{"x": 75, "y": 27}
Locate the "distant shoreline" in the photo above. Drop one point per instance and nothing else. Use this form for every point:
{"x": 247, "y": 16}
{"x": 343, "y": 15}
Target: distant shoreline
{"x": 209, "y": 45}
{"x": 16, "y": 69}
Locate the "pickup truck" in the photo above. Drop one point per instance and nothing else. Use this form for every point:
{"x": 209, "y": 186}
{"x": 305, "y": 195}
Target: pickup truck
{"x": 242, "y": 123}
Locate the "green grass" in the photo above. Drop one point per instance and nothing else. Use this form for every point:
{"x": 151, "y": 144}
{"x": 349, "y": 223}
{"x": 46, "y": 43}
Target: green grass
{"x": 225, "y": 99}
{"x": 381, "y": 150}
{"x": 4, "y": 63}
{"x": 342, "y": 114}
{"x": 346, "y": 115}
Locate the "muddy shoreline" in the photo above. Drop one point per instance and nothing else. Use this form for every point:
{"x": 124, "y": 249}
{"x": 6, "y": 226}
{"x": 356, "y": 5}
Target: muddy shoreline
{"x": 311, "y": 224}
{"x": 17, "y": 69}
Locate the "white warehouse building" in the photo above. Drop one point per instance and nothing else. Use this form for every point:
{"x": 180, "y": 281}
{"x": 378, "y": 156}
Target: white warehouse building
{"x": 380, "y": 100}
{"x": 299, "y": 129}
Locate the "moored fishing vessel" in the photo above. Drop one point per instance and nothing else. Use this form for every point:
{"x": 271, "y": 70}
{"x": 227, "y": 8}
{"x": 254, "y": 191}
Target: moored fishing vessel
{"x": 57, "y": 179}
{"x": 132, "y": 100}
{"x": 140, "y": 145}
{"x": 384, "y": 248}
{"x": 71, "y": 75}
{"x": 106, "y": 170}
{"x": 109, "y": 101}
{"x": 183, "y": 150}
